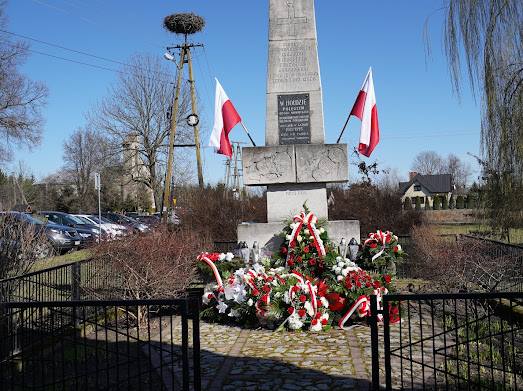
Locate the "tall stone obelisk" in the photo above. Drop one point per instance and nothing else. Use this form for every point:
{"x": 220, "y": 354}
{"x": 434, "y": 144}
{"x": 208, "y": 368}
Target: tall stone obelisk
{"x": 295, "y": 164}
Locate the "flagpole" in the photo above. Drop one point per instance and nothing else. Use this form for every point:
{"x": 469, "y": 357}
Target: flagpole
{"x": 343, "y": 130}
{"x": 248, "y": 134}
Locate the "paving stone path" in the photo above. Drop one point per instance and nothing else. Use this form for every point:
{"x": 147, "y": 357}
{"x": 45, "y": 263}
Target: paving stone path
{"x": 233, "y": 358}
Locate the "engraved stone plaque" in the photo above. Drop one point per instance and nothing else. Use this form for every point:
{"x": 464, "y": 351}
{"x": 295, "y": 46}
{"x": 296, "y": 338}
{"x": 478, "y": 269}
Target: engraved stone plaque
{"x": 294, "y": 119}
{"x": 268, "y": 165}
{"x": 321, "y": 163}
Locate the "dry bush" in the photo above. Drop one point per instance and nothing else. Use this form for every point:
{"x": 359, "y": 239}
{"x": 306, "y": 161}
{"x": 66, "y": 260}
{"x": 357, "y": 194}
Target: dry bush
{"x": 209, "y": 212}
{"x": 455, "y": 264}
{"x": 21, "y": 245}
{"x": 160, "y": 264}
{"x": 374, "y": 208}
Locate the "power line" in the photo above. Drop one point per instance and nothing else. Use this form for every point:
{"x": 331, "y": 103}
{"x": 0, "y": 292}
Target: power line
{"x": 91, "y": 65}
{"x": 79, "y": 52}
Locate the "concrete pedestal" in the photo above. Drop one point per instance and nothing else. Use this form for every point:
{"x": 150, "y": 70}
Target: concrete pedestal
{"x": 264, "y": 233}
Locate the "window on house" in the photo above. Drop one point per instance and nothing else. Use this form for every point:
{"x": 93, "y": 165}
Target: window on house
{"x": 417, "y": 187}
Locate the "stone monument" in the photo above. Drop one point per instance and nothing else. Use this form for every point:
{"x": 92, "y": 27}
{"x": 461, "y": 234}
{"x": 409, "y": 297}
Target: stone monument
{"x": 295, "y": 164}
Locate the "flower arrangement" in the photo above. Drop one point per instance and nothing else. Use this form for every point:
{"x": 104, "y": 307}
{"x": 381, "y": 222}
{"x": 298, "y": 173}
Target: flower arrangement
{"x": 381, "y": 251}
{"x": 306, "y": 285}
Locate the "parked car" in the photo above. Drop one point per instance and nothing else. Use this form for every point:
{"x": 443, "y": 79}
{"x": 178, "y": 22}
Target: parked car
{"x": 150, "y": 220}
{"x": 130, "y": 223}
{"x": 111, "y": 230}
{"x": 88, "y": 232}
{"x": 60, "y": 238}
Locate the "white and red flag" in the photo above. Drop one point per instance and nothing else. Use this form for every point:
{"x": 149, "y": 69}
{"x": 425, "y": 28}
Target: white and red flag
{"x": 225, "y": 118}
{"x": 365, "y": 109}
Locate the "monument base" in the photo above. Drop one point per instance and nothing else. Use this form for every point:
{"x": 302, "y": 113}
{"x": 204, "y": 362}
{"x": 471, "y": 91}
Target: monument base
{"x": 286, "y": 200}
{"x": 266, "y": 233}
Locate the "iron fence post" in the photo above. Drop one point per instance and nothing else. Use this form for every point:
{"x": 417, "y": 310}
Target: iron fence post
{"x": 374, "y": 342}
{"x": 195, "y": 306}
{"x": 75, "y": 290}
{"x": 386, "y": 338}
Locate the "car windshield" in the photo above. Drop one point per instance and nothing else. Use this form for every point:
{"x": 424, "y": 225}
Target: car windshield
{"x": 85, "y": 220}
{"x": 33, "y": 219}
{"x": 74, "y": 220}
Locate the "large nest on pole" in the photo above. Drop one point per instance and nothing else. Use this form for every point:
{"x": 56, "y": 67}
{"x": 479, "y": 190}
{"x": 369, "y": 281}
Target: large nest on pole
{"x": 184, "y": 23}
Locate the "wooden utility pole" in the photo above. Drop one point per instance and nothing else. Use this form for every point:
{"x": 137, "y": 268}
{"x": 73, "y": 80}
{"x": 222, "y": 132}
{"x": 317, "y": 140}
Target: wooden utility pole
{"x": 196, "y": 127}
{"x": 172, "y": 133}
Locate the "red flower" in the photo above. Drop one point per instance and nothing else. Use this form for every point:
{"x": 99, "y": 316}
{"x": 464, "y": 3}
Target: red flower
{"x": 318, "y": 315}
{"x": 255, "y": 292}
{"x": 322, "y": 288}
{"x": 368, "y": 284}
{"x": 290, "y": 310}
{"x": 270, "y": 279}
{"x": 295, "y": 288}
{"x": 290, "y": 262}
{"x": 298, "y": 259}
{"x": 303, "y": 298}
{"x": 318, "y": 303}
{"x": 358, "y": 284}
{"x": 324, "y": 322}
{"x": 266, "y": 288}
{"x": 376, "y": 284}
{"x": 387, "y": 278}
{"x": 284, "y": 250}
{"x": 394, "y": 314}
{"x": 373, "y": 245}
{"x": 395, "y": 249}
{"x": 388, "y": 238}
{"x": 210, "y": 296}
{"x": 336, "y": 302}
{"x": 312, "y": 262}
{"x": 265, "y": 299}
{"x": 306, "y": 249}
{"x": 314, "y": 322}
{"x": 348, "y": 283}
{"x": 301, "y": 313}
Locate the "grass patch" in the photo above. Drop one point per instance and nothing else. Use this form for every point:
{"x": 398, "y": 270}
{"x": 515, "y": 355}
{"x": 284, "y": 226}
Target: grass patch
{"x": 74, "y": 256}
{"x": 515, "y": 234}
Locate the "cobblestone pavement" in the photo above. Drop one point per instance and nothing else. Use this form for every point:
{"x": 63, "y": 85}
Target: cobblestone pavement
{"x": 243, "y": 359}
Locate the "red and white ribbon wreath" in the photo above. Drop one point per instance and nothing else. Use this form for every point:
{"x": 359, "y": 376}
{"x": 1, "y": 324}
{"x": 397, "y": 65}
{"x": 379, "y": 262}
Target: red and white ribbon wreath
{"x": 204, "y": 258}
{"x": 362, "y": 305}
{"x": 380, "y": 237}
{"x": 310, "y": 221}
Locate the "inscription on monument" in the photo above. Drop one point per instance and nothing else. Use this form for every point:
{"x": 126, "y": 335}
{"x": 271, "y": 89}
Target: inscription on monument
{"x": 294, "y": 119}
{"x": 294, "y": 65}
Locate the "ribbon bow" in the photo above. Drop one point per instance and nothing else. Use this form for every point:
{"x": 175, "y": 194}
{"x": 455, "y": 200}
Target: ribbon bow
{"x": 380, "y": 237}
{"x": 310, "y": 221}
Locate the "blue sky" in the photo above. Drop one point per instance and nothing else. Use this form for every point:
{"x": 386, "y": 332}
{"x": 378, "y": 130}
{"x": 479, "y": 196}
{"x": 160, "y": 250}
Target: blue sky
{"x": 417, "y": 108}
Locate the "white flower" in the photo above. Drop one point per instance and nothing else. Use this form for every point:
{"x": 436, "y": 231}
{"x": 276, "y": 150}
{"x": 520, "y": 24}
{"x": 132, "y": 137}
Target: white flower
{"x": 341, "y": 264}
{"x": 308, "y": 308}
{"x": 229, "y": 292}
{"x": 339, "y": 278}
{"x": 316, "y": 327}
{"x": 250, "y": 302}
{"x": 294, "y": 321}
{"x": 234, "y": 313}
{"x": 399, "y": 247}
{"x": 324, "y": 302}
{"x": 299, "y": 238}
{"x": 345, "y": 272}
{"x": 337, "y": 270}
{"x": 293, "y": 225}
{"x": 339, "y": 259}
{"x": 222, "y": 307}
{"x": 307, "y": 232}
{"x": 229, "y": 257}
{"x": 322, "y": 230}
{"x": 240, "y": 273}
{"x": 205, "y": 297}
{"x": 395, "y": 238}
{"x": 288, "y": 237}
{"x": 258, "y": 268}
{"x": 286, "y": 298}
{"x": 325, "y": 316}
{"x": 221, "y": 257}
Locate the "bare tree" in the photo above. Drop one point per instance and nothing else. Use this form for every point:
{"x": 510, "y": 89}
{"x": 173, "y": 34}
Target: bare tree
{"x": 85, "y": 152}
{"x": 459, "y": 170}
{"x": 137, "y": 110}
{"x": 21, "y": 99}
{"x": 428, "y": 163}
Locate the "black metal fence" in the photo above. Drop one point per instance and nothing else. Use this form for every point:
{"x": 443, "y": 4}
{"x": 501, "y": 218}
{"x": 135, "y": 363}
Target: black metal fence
{"x": 83, "y": 280}
{"x": 448, "y": 341}
{"x": 100, "y": 345}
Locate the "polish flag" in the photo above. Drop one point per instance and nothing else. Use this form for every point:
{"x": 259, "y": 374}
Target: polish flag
{"x": 225, "y": 118}
{"x": 365, "y": 109}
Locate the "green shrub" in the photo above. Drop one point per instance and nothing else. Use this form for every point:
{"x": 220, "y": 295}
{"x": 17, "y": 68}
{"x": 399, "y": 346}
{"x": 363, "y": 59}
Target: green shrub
{"x": 407, "y": 204}
{"x": 472, "y": 201}
{"x": 445, "y": 203}
{"x": 460, "y": 202}
{"x": 436, "y": 204}
{"x": 418, "y": 203}
{"x": 427, "y": 204}
{"x": 452, "y": 202}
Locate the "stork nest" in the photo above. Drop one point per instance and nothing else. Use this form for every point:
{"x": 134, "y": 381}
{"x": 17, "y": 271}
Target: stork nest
{"x": 184, "y": 23}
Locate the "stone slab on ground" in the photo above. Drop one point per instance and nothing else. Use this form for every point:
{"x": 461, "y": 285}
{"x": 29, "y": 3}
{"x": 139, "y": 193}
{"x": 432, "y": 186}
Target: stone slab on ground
{"x": 264, "y": 233}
